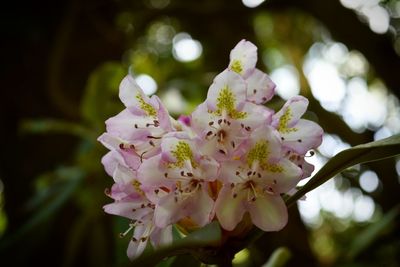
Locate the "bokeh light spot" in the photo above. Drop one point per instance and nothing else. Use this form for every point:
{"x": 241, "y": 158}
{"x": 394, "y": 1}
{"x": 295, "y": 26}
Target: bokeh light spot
{"x": 147, "y": 83}
{"x": 185, "y": 48}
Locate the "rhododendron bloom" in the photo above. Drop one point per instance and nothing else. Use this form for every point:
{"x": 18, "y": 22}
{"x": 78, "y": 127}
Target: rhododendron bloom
{"x": 231, "y": 157}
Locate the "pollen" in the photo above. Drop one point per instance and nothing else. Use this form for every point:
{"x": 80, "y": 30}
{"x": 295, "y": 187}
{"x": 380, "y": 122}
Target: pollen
{"x": 236, "y": 66}
{"x": 274, "y": 168}
{"x": 226, "y": 102}
{"x": 182, "y": 153}
{"x": 284, "y": 121}
{"x": 258, "y": 153}
{"x": 136, "y": 184}
{"x": 149, "y": 109}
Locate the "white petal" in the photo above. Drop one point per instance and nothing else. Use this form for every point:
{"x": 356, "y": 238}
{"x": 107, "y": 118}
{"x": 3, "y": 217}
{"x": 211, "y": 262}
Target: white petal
{"x": 257, "y": 115}
{"x": 228, "y": 87}
{"x": 129, "y": 92}
{"x": 229, "y": 209}
{"x": 291, "y": 112}
{"x": 307, "y": 135}
{"x": 260, "y": 87}
{"x": 268, "y": 213}
{"x": 243, "y": 57}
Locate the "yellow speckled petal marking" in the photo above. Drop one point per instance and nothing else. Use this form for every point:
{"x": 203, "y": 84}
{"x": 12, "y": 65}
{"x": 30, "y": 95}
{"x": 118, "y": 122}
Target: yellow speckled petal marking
{"x": 236, "y": 66}
{"x": 182, "y": 153}
{"x": 136, "y": 184}
{"x": 258, "y": 153}
{"x": 226, "y": 102}
{"x": 284, "y": 121}
{"x": 149, "y": 109}
{"x": 274, "y": 168}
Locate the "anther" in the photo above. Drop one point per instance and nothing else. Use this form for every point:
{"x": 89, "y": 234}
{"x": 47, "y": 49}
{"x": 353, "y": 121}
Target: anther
{"x": 211, "y": 123}
{"x": 121, "y": 146}
{"x": 136, "y": 126}
{"x": 166, "y": 175}
{"x": 233, "y": 144}
{"x": 189, "y": 174}
{"x": 234, "y": 195}
{"x": 107, "y": 192}
{"x": 222, "y": 152}
{"x": 299, "y": 140}
{"x": 254, "y": 91}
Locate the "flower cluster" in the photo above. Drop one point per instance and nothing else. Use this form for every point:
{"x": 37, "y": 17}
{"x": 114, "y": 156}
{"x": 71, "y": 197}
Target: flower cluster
{"x": 230, "y": 157}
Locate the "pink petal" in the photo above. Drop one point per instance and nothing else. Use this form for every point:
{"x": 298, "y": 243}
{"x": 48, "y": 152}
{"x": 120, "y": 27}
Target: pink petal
{"x": 161, "y": 236}
{"x": 151, "y": 173}
{"x": 136, "y": 248}
{"x": 168, "y": 211}
{"x": 200, "y": 208}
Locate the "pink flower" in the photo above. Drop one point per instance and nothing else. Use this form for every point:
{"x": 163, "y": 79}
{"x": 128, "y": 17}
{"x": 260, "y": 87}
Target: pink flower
{"x": 253, "y": 183}
{"x": 179, "y": 177}
{"x": 230, "y": 157}
{"x": 131, "y": 202}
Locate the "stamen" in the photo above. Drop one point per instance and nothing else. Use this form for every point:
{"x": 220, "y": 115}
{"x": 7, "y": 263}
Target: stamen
{"x": 312, "y": 153}
{"x": 107, "y": 192}
{"x": 153, "y": 137}
{"x": 131, "y": 226}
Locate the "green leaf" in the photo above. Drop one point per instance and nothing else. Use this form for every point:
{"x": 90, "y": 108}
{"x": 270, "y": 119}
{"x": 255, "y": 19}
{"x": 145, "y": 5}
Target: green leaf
{"x": 278, "y": 258}
{"x": 373, "y": 151}
{"x": 72, "y": 177}
{"x": 45, "y": 126}
{"x": 371, "y": 233}
{"x": 208, "y": 236}
{"x": 101, "y": 89}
